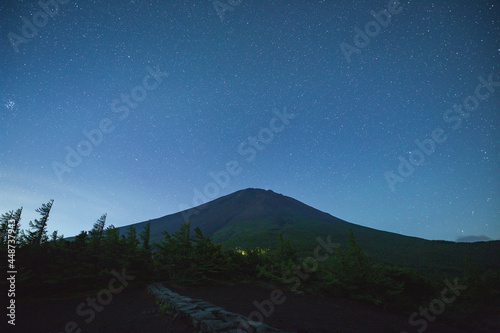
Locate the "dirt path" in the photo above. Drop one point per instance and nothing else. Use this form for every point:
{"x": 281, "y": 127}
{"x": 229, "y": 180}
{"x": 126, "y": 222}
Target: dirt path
{"x": 308, "y": 313}
{"x": 132, "y": 310}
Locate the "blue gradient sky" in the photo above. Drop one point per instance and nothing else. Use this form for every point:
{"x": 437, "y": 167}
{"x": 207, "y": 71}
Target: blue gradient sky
{"x": 355, "y": 113}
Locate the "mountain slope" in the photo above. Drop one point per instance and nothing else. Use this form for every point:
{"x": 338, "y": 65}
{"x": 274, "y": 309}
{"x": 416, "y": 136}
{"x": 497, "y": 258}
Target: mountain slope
{"x": 254, "y": 217}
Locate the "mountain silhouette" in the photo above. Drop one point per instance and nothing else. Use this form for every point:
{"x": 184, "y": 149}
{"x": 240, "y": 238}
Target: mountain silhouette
{"x": 255, "y": 217}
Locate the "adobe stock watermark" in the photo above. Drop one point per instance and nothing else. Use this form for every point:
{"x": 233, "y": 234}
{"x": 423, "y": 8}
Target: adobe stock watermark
{"x": 372, "y": 29}
{"x": 96, "y": 304}
{"x": 297, "y": 275}
{"x": 11, "y": 242}
{"x": 427, "y": 146}
{"x": 249, "y": 149}
{"x": 221, "y": 7}
{"x": 39, "y": 19}
{"x": 436, "y": 307}
{"x": 95, "y": 136}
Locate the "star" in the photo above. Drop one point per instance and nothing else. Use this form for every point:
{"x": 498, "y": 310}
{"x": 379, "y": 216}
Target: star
{"x": 9, "y": 105}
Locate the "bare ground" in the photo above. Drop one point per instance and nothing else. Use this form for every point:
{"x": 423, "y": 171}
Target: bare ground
{"x": 134, "y": 310}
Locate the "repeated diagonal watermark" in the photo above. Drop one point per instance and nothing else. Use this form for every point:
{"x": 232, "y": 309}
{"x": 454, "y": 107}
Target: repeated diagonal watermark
{"x": 372, "y": 29}
{"x": 104, "y": 297}
{"x": 30, "y": 27}
{"x": 249, "y": 149}
{"x": 119, "y": 106}
{"x": 436, "y": 307}
{"x": 453, "y": 116}
{"x": 296, "y": 275}
{"x": 224, "y": 6}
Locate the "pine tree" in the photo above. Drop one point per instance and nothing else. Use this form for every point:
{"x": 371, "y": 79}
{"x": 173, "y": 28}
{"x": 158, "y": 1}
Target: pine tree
{"x": 353, "y": 270}
{"x": 131, "y": 238}
{"x": 38, "y": 234}
{"x": 131, "y": 253}
{"x": 182, "y": 237}
{"x": 58, "y": 244}
{"x": 4, "y": 223}
{"x": 174, "y": 252}
{"x": 5, "y": 228}
{"x": 145, "y": 250}
{"x": 80, "y": 241}
{"x": 286, "y": 251}
{"x": 112, "y": 247}
{"x": 145, "y": 235}
{"x": 97, "y": 233}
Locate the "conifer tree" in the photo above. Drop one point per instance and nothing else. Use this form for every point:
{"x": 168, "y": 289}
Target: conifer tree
{"x": 145, "y": 235}
{"x": 80, "y": 241}
{"x": 286, "y": 251}
{"x": 131, "y": 238}
{"x": 131, "y": 253}
{"x": 112, "y": 247}
{"x": 38, "y": 233}
{"x": 97, "y": 232}
{"x": 4, "y": 226}
{"x": 145, "y": 252}
{"x": 174, "y": 252}
{"x": 182, "y": 237}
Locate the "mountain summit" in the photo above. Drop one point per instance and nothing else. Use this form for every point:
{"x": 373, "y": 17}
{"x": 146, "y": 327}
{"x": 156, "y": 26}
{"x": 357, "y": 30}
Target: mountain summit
{"x": 255, "y": 217}
{"x": 243, "y": 207}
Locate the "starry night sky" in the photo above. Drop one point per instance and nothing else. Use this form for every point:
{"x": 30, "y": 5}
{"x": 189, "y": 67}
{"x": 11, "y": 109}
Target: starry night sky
{"x": 287, "y": 96}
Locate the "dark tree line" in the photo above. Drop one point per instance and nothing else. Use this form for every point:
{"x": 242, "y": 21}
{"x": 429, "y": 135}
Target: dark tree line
{"x": 4, "y": 226}
{"x": 56, "y": 266}
{"x": 52, "y": 265}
